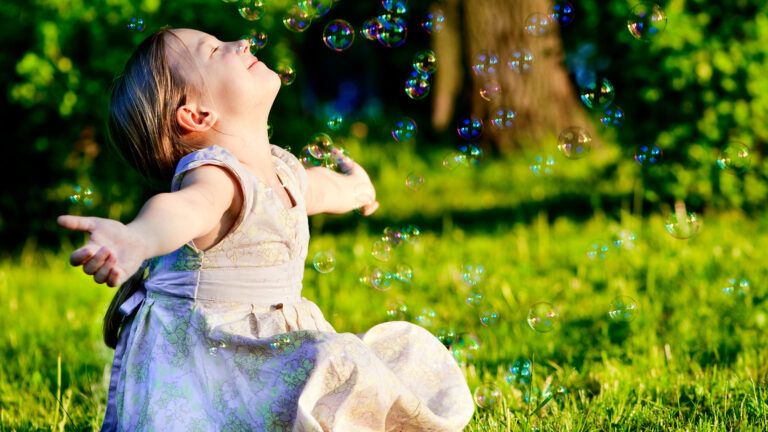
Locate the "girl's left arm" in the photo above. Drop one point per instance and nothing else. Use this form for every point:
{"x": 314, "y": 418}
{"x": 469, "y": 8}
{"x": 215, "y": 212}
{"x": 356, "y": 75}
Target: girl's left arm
{"x": 331, "y": 192}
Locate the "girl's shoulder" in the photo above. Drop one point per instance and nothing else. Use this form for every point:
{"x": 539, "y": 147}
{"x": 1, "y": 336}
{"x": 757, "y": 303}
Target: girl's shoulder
{"x": 293, "y": 164}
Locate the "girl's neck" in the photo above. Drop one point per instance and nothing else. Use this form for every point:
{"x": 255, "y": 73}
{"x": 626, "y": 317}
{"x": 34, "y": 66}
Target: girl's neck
{"x": 252, "y": 150}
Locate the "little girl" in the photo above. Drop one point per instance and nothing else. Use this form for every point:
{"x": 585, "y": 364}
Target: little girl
{"x": 209, "y": 326}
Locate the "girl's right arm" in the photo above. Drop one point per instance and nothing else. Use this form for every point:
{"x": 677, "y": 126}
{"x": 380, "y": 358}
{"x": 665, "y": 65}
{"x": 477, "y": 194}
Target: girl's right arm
{"x": 166, "y": 222}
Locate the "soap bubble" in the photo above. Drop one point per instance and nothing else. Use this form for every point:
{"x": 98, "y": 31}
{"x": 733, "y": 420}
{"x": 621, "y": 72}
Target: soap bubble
{"x": 648, "y": 155}
{"x": 503, "y": 118}
{"x": 396, "y": 311}
{"x": 446, "y": 336}
{"x": 490, "y": 90}
{"x": 392, "y": 31}
{"x": 433, "y": 22}
{"x": 472, "y": 152}
{"x": 470, "y": 128}
{"x": 734, "y": 158}
{"x": 538, "y": 24}
{"x": 297, "y": 20}
{"x": 738, "y": 287}
{"x": 393, "y": 236}
{"x": 370, "y": 28}
{"x": 256, "y": 41}
{"x": 425, "y": 61}
{"x": 519, "y": 373}
{"x": 683, "y": 226}
{"x": 598, "y": 251}
{"x": 404, "y": 273}
{"x": 597, "y": 94}
{"x": 376, "y": 278}
{"x": 574, "y": 142}
{"x": 486, "y": 396}
{"x": 488, "y": 317}
{"x": 136, "y": 24}
{"x": 315, "y": 8}
{"x": 426, "y": 318}
{"x": 334, "y": 122}
{"x": 286, "y": 73}
{"x": 613, "y": 116}
{"x": 562, "y": 12}
{"x": 414, "y": 182}
{"x": 454, "y": 160}
{"x": 485, "y": 64}
{"x": 381, "y": 250}
{"x": 324, "y": 262}
{"x": 338, "y": 35}
{"x": 250, "y": 9}
{"x": 622, "y": 308}
{"x": 81, "y": 196}
{"x": 472, "y": 274}
{"x": 521, "y": 61}
{"x": 320, "y": 146}
{"x": 465, "y": 348}
{"x": 417, "y": 85}
{"x": 411, "y": 232}
{"x": 542, "y": 165}
{"x": 404, "y": 129}
{"x": 474, "y": 298}
{"x": 398, "y": 7}
{"x": 625, "y": 240}
{"x": 646, "y": 21}
{"x": 543, "y": 317}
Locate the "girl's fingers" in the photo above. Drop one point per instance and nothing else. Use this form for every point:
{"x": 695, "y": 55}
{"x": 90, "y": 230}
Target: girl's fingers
{"x": 369, "y": 209}
{"x": 93, "y": 265}
{"x": 103, "y": 273}
{"x": 83, "y": 255}
{"x": 77, "y": 223}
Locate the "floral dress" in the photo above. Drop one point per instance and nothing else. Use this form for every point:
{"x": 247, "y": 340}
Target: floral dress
{"x": 222, "y": 340}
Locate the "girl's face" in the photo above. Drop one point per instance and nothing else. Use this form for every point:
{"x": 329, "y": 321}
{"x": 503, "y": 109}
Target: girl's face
{"x": 234, "y": 81}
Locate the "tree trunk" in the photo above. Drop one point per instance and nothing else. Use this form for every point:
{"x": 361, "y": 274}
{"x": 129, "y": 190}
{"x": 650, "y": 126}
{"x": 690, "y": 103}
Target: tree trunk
{"x": 544, "y": 100}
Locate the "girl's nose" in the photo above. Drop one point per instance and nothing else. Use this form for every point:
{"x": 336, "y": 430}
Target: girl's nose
{"x": 242, "y": 46}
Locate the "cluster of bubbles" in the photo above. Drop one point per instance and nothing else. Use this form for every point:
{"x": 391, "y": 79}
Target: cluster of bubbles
{"x": 471, "y": 276}
{"x": 381, "y": 278}
{"x": 136, "y": 24}
{"x": 519, "y": 375}
{"x": 418, "y": 83}
{"x": 468, "y": 152}
{"x": 624, "y": 240}
{"x": 320, "y": 151}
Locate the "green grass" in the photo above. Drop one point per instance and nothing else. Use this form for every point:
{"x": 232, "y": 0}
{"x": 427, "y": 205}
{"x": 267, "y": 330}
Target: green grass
{"x": 694, "y": 358}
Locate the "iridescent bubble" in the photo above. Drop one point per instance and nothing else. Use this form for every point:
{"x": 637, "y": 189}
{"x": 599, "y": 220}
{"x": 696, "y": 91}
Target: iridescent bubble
{"x": 543, "y": 317}
{"x": 738, "y": 287}
{"x": 562, "y": 12}
{"x": 297, "y": 20}
{"x": 503, "y": 118}
{"x": 393, "y": 236}
{"x": 446, "y": 336}
{"x": 398, "y": 7}
{"x": 324, "y": 261}
{"x": 257, "y": 41}
{"x": 417, "y": 85}
{"x": 425, "y": 61}
{"x": 338, "y": 35}
{"x": 622, "y": 308}
{"x": 625, "y": 240}
{"x": 521, "y": 61}
{"x": 473, "y": 152}
{"x": 250, "y": 9}
{"x": 392, "y": 31}
{"x": 334, "y": 122}
{"x": 426, "y": 318}
{"x": 598, "y": 251}
{"x": 597, "y": 94}
{"x": 411, "y": 232}
{"x": 404, "y": 129}
{"x": 370, "y": 28}
{"x": 381, "y": 250}
{"x": 404, "y": 273}
{"x": 470, "y": 128}
{"x": 646, "y": 21}
{"x": 320, "y": 145}
{"x": 519, "y": 373}
{"x": 542, "y": 165}
{"x": 286, "y": 73}
{"x": 414, "y": 182}
{"x": 485, "y": 64}
{"x": 455, "y": 160}
{"x": 648, "y": 155}
{"x": 613, "y": 116}
{"x": 489, "y": 317}
{"x": 81, "y": 196}
{"x": 683, "y": 226}
{"x": 377, "y": 278}
{"x": 472, "y": 274}
{"x": 136, "y": 24}
{"x": 433, "y": 22}
{"x": 538, "y": 24}
{"x": 316, "y": 8}
{"x": 465, "y": 348}
{"x": 397, "y": 311}
{"x": 474, "y": 298}
{"x": 307, "y": 158}
{"x": 734, "y": 158}
{"x": 490, "y": 90}
{"x": 574, "y": 142}
{"x": 487, "y": 396}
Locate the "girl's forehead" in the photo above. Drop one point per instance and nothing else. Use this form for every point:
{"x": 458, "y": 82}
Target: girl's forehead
{"x": 193, "y": 38}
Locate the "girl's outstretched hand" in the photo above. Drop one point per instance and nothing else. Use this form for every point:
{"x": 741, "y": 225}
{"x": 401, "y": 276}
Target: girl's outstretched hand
{"x": 113, "y": 252}
{"x": 365, "y": 193}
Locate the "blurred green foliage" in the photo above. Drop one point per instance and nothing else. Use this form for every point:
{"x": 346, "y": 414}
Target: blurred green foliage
{"x": 699, "y": 85}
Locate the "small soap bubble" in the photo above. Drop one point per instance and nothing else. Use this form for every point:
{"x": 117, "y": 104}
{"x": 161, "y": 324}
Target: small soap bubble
{"x": 411, "y": 233}
{"x": 597, "y": 94}
{"x": 426, "y": 318}
{"x": 414, "y": 182}
{"x": 398, "y": 7}
{"x": 683, "y": 226}
{"x": 396, "y": 311}
{"x": 446, "y": 336}
{"x": 625, "y": 240}
{"x": 487, "y": 396}
{"x": 465, "y": 348}
{"x": 485, "y": 64}
{"x": 320, "y": 146}
{"x": 490, "y": 90}
{"x": 472, "y": 274}
{"x": 543, "y": 317}
{"x": 404, "y": 273}
{"x": 404, "y": 129}
{"x": 470, "y": 128}
{"x": 454, "y": 160}
{"x": 646, "y": 21}
{"x": 503, "y": 118}
{"x": 489, "y": 317}
{"x": 136, "y": 24}
{"x": 519, "y": 372}
{"x": 542, "y": 165}
{"x": 256, "y": 41}
{"x": 737, "y": 287}
{"x": 521, "y": 61}
{"x": 286, "y": 73}
{"x": 417, "y": 85}
{"x": 250, "y": 9}
{"x": 613, "y": 117}
{"x": 574, "y": 142}
{"x": 297, "y": 20}
{"x": 538, "y": 24}
{"x": 316, "y": 8}
{"x": 433, "y": 22}
{"x": 734, "y": 158}
{"x": 392, "y": 31}
{"x": 598, "y": 251}
{"x": 648, "y": 155}
{"x": 324, "y": 261}
{"x": 81, "y": 196}
{"x": 472, "y": 152}
{"x": 370, "y": 28}
{"x": 622, "y": 308}
{"x": 376, "y": 278}
{"x": 334, "y": 122}
{"x": 425, "y": 61}
{"x": 474, "y": 298}
{"x": 381, "y": 250}
{"x": 562, "y": 12}
{"x": 338, "y": 35}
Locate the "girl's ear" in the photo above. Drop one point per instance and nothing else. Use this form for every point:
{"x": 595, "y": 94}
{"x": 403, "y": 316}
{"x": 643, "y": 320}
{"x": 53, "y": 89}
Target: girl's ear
{"x": 195, "y": 118}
